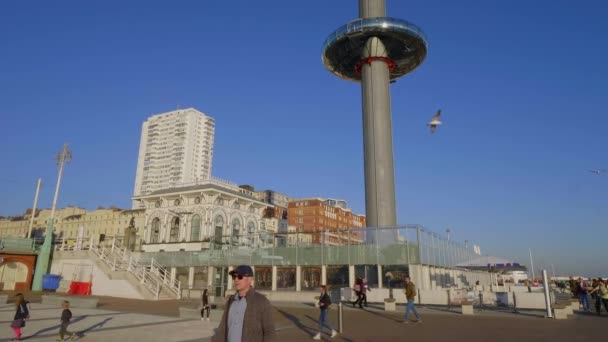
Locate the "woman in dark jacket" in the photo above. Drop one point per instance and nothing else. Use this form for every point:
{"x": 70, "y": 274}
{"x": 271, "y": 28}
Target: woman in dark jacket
{"x": 205, "y": 303}
{"x": 21, "y": 315}
{"x": 324, "y": 303}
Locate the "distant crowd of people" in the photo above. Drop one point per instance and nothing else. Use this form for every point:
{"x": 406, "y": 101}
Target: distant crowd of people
{"x": 597, "y": 290}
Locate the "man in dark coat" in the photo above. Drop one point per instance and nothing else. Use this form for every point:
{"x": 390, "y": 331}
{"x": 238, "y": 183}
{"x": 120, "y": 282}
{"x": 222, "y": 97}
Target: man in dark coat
{"x": 248, "y": 314}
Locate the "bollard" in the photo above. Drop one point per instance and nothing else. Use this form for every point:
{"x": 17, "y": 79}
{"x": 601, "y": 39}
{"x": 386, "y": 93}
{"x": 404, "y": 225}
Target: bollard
{"x": 547, "y": 295}
{"x": 340, "y": 319}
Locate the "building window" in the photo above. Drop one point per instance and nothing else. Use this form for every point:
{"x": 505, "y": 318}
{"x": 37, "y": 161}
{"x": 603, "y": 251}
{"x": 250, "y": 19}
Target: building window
{"x": 195, "y": 233}
{"x": 286, "y": 278}
{"x": 337, "y": 275}
{"x": 219, "y": 201}
{"x": 174, "y": 232}
{"x": 197, "y": 200}
{"x": 251, "y": 233}
{"x": 236, "y": 231}
{"x": 263, "y": 277}
{"x": 251, "y": 209}
{"x": 219, "y": 231}
{"x": 157, "y": 204}
{"x": 155, "y": 233}
{"x": 311, "y": 278}
{"x": 177, "y": 202}
{"x": 251, "y": 227}
{"x": 236, "y": 205}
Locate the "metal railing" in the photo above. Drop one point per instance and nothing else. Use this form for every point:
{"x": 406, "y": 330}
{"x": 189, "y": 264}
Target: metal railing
{"x": 401, "y": 245}
{"x": 18, "y": 244}
{"x": 117, "y": 257}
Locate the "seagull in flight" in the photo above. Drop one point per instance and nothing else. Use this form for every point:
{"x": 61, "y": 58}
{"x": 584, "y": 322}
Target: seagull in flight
{"x": 598, "y": 171}
{"x": 434, "y": 123}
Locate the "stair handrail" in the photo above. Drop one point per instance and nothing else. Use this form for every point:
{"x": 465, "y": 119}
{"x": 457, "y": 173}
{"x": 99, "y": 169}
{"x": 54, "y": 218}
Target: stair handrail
{"x": 151, "y": 274}
{"x": 172, "y": 284}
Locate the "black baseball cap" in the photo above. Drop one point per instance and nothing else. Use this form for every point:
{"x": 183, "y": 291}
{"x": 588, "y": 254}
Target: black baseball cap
{"x": 243, "y": 270}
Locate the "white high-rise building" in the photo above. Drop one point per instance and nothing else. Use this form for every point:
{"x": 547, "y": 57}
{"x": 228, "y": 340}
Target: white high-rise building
{"x": 176, "y": 148}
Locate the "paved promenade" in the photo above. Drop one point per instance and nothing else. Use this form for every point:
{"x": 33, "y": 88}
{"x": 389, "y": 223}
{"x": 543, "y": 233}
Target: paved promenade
{"x": 104, "y": 325}
{"x": 134, "y": 320}
{"x": 299, "y": 324}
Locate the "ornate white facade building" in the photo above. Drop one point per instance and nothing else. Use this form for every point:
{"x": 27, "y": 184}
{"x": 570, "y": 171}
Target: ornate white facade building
{"x": 211, "y": 214}
{"x": 175, "y": 148}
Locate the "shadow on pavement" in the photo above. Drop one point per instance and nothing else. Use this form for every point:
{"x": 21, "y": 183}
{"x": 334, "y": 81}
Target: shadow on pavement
{"x": 98, "y": 325}
{"x": 55, "y": 327}
{"x": 297, "y": 322}
{"x": 392, "y": 318}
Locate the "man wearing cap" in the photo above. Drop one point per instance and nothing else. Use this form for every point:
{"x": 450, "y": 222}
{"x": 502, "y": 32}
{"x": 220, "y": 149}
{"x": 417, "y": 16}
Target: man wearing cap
{"x": 248, "y": 314}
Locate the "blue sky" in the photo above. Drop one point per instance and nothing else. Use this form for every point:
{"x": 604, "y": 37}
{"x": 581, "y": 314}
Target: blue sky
{"x": 521, "y": 85}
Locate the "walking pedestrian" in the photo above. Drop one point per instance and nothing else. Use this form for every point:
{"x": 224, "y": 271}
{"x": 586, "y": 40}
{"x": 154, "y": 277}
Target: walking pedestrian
{"x": 597, "y": 300}
{"x": 600, "y": 291}
{"x": 358, "y": 288}
{"x": 66, "y": 316}
{"x": 583, "y": 292}
{"x": 324, "y": 303}
{"x": 21, "y": 315}
{"x": 248, "y": 314}
{"x": 410, "y": 294}
{"x": 205, "y": 305}
{"x": 364, "y": 290}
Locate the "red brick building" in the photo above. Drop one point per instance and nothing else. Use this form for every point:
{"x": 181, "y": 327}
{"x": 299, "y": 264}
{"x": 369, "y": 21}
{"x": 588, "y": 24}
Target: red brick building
{"x": 317, "y": 214}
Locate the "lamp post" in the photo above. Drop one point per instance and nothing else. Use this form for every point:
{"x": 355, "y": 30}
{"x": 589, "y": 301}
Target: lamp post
{"x": 531, "y": 263}
{"x": 29, "y": 231}
{"x": 42, "y": 262}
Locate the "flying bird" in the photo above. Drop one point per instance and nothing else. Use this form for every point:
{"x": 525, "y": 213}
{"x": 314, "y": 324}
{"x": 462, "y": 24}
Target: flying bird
{"x": 434, "y": 123}
{"x": 598, "y": 171}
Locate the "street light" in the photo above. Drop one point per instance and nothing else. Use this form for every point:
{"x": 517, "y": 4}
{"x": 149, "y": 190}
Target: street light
{"x": 42, "y": 262}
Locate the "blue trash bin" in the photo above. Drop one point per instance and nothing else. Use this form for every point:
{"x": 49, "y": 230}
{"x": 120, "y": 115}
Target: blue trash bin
{"x": 50, "y": 282}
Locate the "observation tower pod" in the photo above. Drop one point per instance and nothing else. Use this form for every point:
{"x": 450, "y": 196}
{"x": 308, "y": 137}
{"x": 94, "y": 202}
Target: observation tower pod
{"x": 404, "y": 43}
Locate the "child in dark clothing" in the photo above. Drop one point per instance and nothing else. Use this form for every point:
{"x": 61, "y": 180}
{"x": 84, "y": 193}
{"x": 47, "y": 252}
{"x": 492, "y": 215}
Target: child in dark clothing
{"x": 66, "y": 316}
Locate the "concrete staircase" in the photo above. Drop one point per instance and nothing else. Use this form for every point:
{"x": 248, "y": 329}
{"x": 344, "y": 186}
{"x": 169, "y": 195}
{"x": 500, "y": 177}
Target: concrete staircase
{"x": 151, "y": 279}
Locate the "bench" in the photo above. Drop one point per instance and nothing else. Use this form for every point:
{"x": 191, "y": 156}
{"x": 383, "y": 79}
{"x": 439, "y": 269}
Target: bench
{"x": 75, "y": 301}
